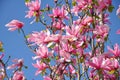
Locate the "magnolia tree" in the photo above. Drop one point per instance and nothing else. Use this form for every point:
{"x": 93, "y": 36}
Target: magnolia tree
{"x": 72, "y": 45}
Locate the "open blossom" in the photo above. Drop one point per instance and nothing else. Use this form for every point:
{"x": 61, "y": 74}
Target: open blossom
{"x": 73, "y": 31}
{"x": 101, "y": 32}
{"x": 115, "y": 64}
{"x": 86, "y": 20}
{"x": 42, "y": 52}
{"x": 18, "y": 76}
{"x": 59, "y": 13}
{"x": 37, "y": 37}
{"x": 43, "y": 37}
{"x": 115, "y": 51}
{"x": 18, "y": 64}
{"x": 81, "y": 5}
{"x": 40, "y": 66}
{"x": 100, "y": 63}
{"x": 14, "y": 25}
{"x": 103, "y": 4}
{"x": 34, "y": 8}
{"x": 58, "y": 25}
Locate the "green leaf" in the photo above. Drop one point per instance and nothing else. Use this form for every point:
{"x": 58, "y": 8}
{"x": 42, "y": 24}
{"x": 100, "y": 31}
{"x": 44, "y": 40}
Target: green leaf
{"x": 73, "y": 3}
{"x": 47, "y": 60}
{"x": 1, "y": 50}
{"x": 56, "y": 57}
{"x": 27, "y": 36}
{"x": 110, "y": 8}
{"x": 26, "y": 1}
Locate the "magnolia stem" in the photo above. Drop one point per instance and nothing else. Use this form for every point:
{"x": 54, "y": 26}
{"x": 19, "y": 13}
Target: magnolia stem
{"x": 69, "y": 11}
{"x": 78, "y": 65}
{"x": 26, "y": 41}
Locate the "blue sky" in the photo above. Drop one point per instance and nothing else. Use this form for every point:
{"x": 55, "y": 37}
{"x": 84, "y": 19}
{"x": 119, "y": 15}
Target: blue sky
{"x": 14, "y": 44}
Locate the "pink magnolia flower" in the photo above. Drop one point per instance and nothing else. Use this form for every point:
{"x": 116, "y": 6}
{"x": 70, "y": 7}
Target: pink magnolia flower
{"x": 59, "y": 13}
{"x": 58, "y": 25}
{"x": 73, "y": 31}
{"x": 114, "y": 64}
{"x": 100, "y": 63}
{"x": 37, "y": 37}
{"x": 86, "y": 20}
{"x": 43, "y": 37}
{"x": 118, "y": 31}
{"x": 47, "y": 78}
{"x": 67, "y": 47}
{"x": 118, "y": 11}
{"x": 18, "y": 76}
{"x": 53, "y": 38}
{"x": 81, "y": 5}
{"x": 66, "y": 56}
{"x": 14, "y": 25}
{"x": 18, "y": 64}
{"x": 101, "y": 32}
{"x": 115, "y": 51}
{"x": 42, "y": 52}
{"x": 103, "y": 4}
{"x": 40, "y": 66}
{"x": 34, "y": 8}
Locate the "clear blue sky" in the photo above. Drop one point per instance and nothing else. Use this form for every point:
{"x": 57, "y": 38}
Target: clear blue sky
{"x": 14, "y": 44}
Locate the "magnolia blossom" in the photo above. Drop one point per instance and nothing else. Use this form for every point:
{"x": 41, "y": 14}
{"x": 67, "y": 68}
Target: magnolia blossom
{"x": 34, "y": 8}
{"x": 86, "y": 20}
{"x": 81, "y": 5}
{"x": 42, "y": 52}
{"x": 43, "y": 37}
{"x": 100, "y": 63}
{"x": 73, "y": 30}
{"x": 115, "y": 51}
{"x": 18, "y": 76}
{"x": 101, "y": 32}
{"x": 103, "y": 4}
{"x": 14, "y": 25}
{"x": 58, "y": 25}
{"x": 59, "y": 13}
{"x": 18, "y": 64}
{"x": 41, "y": 66}
{"x": 38, "y": 37}
{"x": 114, "y": 64}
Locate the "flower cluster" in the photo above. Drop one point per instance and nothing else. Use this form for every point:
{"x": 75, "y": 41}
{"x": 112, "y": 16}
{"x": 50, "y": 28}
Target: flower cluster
{"x": 73, "y": 42}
